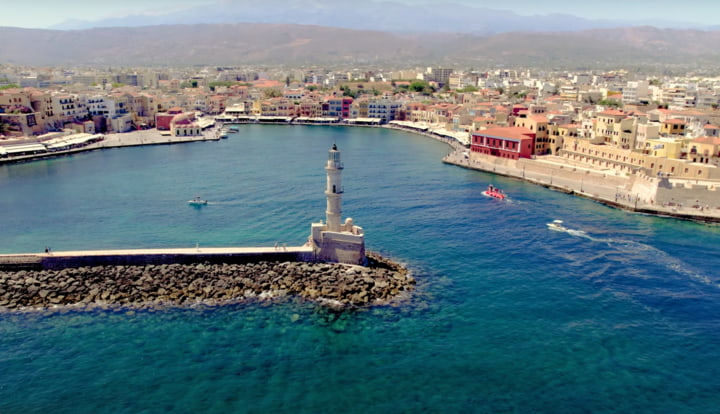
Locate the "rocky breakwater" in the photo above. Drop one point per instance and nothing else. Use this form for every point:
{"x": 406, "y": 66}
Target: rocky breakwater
{"x": 332, "y": 285}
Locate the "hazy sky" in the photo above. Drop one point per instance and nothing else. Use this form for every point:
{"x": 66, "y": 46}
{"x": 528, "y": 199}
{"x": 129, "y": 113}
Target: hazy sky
{"x": 45, "y": 13}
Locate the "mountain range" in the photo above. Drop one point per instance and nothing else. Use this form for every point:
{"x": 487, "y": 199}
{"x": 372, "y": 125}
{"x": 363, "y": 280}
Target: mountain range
{"x": 278, "y": 44}
{"x": 392, "y": 16}
{"x": 293, "y": 44}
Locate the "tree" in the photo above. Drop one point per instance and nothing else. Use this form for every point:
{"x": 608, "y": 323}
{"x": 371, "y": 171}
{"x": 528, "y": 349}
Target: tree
{"x": 272, "y": 93}
{"x": 348, "y": 92}
{"x": 421, "y": 87}
{"x": 611, "y": 103}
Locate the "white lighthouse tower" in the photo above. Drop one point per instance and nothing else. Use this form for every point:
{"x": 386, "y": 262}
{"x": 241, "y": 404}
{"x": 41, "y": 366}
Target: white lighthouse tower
{"x": 333, "y": 189}
{"x": 333, "y": 241}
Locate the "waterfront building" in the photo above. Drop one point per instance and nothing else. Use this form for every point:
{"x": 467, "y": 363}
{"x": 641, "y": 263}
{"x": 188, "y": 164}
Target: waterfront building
{"x": 339, "y": 106}
{"x": 334, "y": 241}
{"x": 503, "y": 142}
{"x": 163, "y": 120}
{"x": 184, "y": 125}
{"x": 383, "y": 108}
{"x": 652, "y": 161}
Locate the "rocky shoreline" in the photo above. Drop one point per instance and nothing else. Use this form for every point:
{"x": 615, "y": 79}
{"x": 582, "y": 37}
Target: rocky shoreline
{"x": 329, "y": 284}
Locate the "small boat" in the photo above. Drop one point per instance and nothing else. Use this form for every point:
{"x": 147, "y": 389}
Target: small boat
{"x": 197, "y": 201}
{"x": 233, "y": 128}
{"x": 557, "y": 225}
{"x": 494, "y": 192}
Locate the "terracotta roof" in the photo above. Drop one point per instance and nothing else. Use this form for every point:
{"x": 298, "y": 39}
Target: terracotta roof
{"x": 507, "y": 132}
{"x": 675, "y": 121}
{"x": 709, "y": 126}
{"x": 613, "y": 112}
{"x": 707, "y": 140}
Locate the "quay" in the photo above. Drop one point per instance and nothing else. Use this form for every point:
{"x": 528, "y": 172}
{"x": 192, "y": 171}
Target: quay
{"x": 694, "y": 201}
{"x": 113, "y": 140}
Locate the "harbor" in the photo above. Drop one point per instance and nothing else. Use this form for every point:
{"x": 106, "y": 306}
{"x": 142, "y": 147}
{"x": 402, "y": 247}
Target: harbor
{"x": 497, "y": 296}
{"x": 557, "y": 173}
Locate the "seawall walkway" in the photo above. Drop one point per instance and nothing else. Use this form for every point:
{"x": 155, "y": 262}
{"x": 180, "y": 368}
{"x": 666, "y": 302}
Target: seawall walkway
{"x": 141, "y": 257}
{"x": 118, "y": 140}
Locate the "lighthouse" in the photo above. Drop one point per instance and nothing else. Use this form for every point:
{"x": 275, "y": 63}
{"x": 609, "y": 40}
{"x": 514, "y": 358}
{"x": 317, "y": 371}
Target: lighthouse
{"x": 333, "y": 189}
{"x": 335, "y": 241}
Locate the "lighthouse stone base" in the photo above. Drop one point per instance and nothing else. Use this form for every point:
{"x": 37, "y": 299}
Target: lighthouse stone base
{"x": 344, "y": 246}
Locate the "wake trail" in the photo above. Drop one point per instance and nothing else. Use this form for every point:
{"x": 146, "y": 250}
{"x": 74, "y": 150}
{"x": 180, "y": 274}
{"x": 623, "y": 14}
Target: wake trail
{"x": 646, "y": 252}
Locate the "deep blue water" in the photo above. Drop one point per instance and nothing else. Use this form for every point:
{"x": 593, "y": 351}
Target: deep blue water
{"x": 507, "y": 316}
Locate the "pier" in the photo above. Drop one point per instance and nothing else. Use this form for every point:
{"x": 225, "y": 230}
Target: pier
{"x": 142, "y": 257}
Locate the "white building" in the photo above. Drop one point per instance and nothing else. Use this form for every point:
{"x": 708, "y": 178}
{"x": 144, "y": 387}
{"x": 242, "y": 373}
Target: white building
{"x": 384, "y": 109}
{"x": 636, "y": 92}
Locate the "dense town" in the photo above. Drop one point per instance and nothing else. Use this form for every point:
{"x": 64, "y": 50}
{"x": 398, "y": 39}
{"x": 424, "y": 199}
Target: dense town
{"x": 627, "y": 123}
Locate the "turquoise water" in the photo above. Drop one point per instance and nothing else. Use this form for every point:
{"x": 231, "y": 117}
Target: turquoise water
{"x": 507, "y": 317}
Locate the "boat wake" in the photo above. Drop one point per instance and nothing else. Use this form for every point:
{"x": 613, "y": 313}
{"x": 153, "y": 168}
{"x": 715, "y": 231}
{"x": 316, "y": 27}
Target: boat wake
{"x": 577, "y": 233}
{"x": 645, "y": 253}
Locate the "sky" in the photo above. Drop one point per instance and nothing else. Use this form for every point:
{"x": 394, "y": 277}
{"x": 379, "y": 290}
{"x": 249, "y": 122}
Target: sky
{"x": 46, "y": 13}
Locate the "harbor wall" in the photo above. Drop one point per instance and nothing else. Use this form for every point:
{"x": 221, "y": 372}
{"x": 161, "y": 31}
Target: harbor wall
{"x": 58, "y": 260}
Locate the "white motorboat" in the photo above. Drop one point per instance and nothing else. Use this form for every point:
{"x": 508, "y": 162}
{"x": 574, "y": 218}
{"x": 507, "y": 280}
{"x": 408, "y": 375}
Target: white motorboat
{"x": 197, "y": 201}
{"x": 557, "y": 225}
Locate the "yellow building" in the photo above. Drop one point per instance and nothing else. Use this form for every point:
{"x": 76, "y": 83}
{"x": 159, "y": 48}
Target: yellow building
{"x": 616, "y": 128}
{"x": 704, "y": 150}
{"x": 632, "y": 161}
{"x": 538, "y": 124}
{"x": 672, "y": 127}
{"x": 666, "y": 147}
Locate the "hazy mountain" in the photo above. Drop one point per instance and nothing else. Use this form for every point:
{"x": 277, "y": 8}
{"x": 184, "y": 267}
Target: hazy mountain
{"x": 388, "y": 16}
{"x": 256, "y": 43}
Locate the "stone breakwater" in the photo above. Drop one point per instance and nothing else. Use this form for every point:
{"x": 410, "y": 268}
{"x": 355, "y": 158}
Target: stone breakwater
{"x": 332, "y": 285}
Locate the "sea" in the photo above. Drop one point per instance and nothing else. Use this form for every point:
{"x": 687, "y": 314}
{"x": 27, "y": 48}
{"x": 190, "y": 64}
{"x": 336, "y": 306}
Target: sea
{"x": 619, "y": 315}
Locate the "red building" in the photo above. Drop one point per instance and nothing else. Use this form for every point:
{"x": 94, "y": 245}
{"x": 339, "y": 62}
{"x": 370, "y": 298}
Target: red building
{"x": 505, "y": 142}
{"x": 164, "y": 119}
